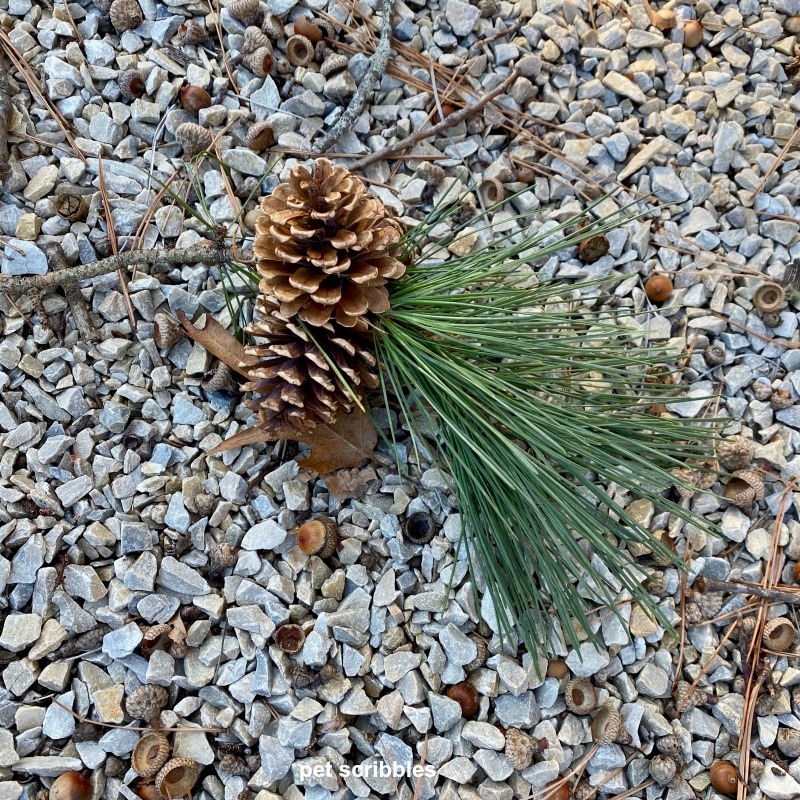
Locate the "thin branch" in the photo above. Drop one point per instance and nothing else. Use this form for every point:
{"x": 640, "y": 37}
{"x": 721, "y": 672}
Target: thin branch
{"x": 377, "y": 67}
{"x": 735, "y": 587}
{"x": 426, "y": 133}
{"x": 5, "y": 108}
{"x": 75, "y": 275}
{"x": 80, "y": 311}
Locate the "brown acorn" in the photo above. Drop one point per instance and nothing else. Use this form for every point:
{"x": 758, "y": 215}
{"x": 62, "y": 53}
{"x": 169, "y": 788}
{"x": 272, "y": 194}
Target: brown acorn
{"x": 419, "y": 528}
{"x": 318, "y": 537}
{"x": 593, "y": 248}
{"x": 796, "y": 572}
{"x": 466, "y": 695}
{"x": 147, "y": 790}
{"x": 558, "y": 669}
{"x": 125, "y": 15}
{"x": 724, "y": 777}
{"x": 131, "y": 84}
{"x": 290, "y": 638}
{"x": 72, "y": 207}
{"x": 692, "y": 33}
{"x": 71, "y": 786}
{"x": 150, "y": 754}
{"x": 303, "y": 26}
{"x": 299, "y": 50}
{"x": 778, "y": 634}
{"x": 260, "y": 136}
{"x": 580, "y": 696}
{"x": 658, "y": 288}
{"x": 558, "y": 790}
{"x": 177, "y": 778}
{"x": 769, "y": 297}
{"x": 194, "y": 98}
{"x": 259, "y": 62}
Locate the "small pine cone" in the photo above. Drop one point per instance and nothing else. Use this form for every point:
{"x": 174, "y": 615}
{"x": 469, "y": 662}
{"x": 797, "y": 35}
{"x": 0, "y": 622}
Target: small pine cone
{"x": 233, "y": 764}
{"x": 761, "y": 391}
{"x": 254, "y": 39}
{"x": 147, "y": 702}
{"x": 782, "y": 399}
{"x": 247, "y": 11}
{"x": 480, "y": 658}
{"x": 715, "y": 354}
{"x": 744, "y": 489}
{"x": 333, "y": 64}
{"x": 221, "y": 556}
{"x": 520, "y": 749}
{"x": 322, "y": 245}
{"x": 709, "y": 603}
{"x": 687, "y": 698}
{"x": 735, "y": 453}
{"x": 670, "y": 746}
{"x": 697, "y": 478}
{"x": 294, "y": 385}
{"x": 431, "y": 173}
{"x": 192, "y": 32}
{"x": 193, "y": 138}
{"x": 125, "y": 15}
{"x": 662, "y": 769}
{"x": 131, "y": 84}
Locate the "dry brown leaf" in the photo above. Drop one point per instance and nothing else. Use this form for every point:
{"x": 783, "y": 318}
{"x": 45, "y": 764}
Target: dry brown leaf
{"x": 346, "y": 483}
{"x": 219, "y": 341}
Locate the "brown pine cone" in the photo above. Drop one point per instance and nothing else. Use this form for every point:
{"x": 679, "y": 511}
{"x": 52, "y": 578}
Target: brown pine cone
{"x": 322, "y": 244}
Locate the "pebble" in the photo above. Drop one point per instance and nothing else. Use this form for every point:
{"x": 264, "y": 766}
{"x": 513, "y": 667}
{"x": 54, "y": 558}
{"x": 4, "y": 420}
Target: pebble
{"x": 22, "y": 257}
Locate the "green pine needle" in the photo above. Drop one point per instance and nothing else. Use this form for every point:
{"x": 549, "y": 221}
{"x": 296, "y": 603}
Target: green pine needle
{"x": 539, "y": 405}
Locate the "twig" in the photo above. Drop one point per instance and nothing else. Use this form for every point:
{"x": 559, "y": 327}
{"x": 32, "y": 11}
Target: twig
{"x": 377, "y": 67}
{"x": 5, "y": 107}
{"x": 426, "y": 133}
{"x": 74, "y": 275}
{"x": 735, "y": 587}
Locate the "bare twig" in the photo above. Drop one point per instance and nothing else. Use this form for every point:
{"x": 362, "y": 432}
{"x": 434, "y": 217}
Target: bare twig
{"x": 5, "y": 107}
{"x": 426, "y": 133}
{"x": 377, "y": 67}
{"x": 736, "y": 587}
{"x": 75, "y": 275}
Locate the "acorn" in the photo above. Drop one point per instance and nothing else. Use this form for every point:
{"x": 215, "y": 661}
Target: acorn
{"x": 318, "y": 537}
{"x": 558, "y": 790}
{"x": 259, "y": 62}
{"x": 606, "y": 725}
{"x": 466, "y": 695}
{"x": 778, "y": 634}
{"x": 125, "y": 15}
{"x": 147, "y": 790}
{"x": 177, "y": 778}
{"x": 255, "y": 39}
{"x": 192, "y": 32}
{"x": 735, "y": 453}
{"x": 769, "y": 296}
{"x": 303, "y": 26}
{"x": 658, "y": 288}
{"x": 247, "y": 11}
{"x": 593, "y": 249}
{"x": 156, "y": 637}
{"x": 687, "y": 698}
{"x": 692, "y": 33}
{"x": 491, "y": 191}
{"x": 72, "y": 207}
{"x": 724, "y": 777}
{"x": 662, "y": 769}
{"x": 71, "y": 786}
{"x": 260, "y": 136}
{"x": 715, "y": 354}
{"x": 290, "y": 638}
{"x": 193, "y": 138}
{"x": 580, "y": 696}
{"x": 166, "y": 331}
{"x": 131, "y": 84}
{"x": 558, "y": 669}
{"x": 150, "y": 754}
{"x": 147, "y": 702}
{"x": 780, "y": 399}
{"x": 744, "y": 489}
{"x": 419, "y": 528}
{"x": 194, "y": 98}
{"x": 299, "y": 50}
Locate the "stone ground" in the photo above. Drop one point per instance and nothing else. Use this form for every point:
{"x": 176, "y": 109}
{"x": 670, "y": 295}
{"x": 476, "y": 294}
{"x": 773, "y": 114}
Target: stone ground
{"x": 113, "y": 519}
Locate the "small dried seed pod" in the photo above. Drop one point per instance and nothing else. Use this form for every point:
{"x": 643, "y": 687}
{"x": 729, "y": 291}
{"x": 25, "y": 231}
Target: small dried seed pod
{"x": 131, "y": 84}
{"x": 150, "y": 754}
{"x": 166, "y": 331}
{"x": 147, "y": 702}
{"x": 303, "y": 26}
{"x": 260, "y": 136}
{"x": 318, "y": 537}
{"x": 125, "y": 15}
{"x": 273, "y": 27}
{"x": 580, "y": 696}
{"x": 233, "y": 764}
{"x": 193, "y": 138}
{"x": 735, "y": 453}
{"x": 194, "y": 98}
{"x": 72, "y": 207}
{"x": 593, "y": 249}
{"x": 221, "y": 556}
{"x": 333, "y": 64}
{"x": 778, "y": 634}
{"x": 177, "y": 778}
{"x": 714, "y": 354}
{"x": 658, "y": 288}
{"x": 290, "y": 638}
{"x": 782, "y": 398}
{"x": 769, "y": 297}
{"x": 724, "y": 777}
{"x": 301, "y": 677}
{"x": 247, "y": 11}
{"x": 481, "y": 654}
{"x": 519, "y": 749}
{"x": 255, "y": 39}
{"x": 299, "y": 50}
{"x": 431, "y": 173}
{"x": 692, "y": 33}
{"x": 606, "y": 725}
{"x": 219, "y": 377}
{"x": 744, "y": 489}
{"x": 788, "y": 741}
{"x": 156, "y": 637}
{"x": 192, "y": 32}
{"x": 492, "y": 191}
{"x": 662, "y": 769}
{"x": 670, "y": 746}
{"x": 466, "y": 695}
{"x": 259, "y": 62}
{"x": 419, "y": 528}
{"x": 687, "y": 698}
{"x": 71, "y": 786}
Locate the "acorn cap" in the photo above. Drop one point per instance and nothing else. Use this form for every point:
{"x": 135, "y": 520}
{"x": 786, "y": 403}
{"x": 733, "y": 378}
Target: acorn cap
{"x": 166, "y": 331}
{"x": 580, "y": 696}
{"x": 744, "y": 489}
{"x": 150, "y": 754}
{"x": 769, "y": 296}
{"x": 492, "y": 191}
{"x": 778, "y": 634}
{"x": 177, "y": 778}
{"x": 125, "y": 15}
{"x": 607, "y": 725}
{"x": 482, "y": 651}
{"x": 245, "y": 10}
{"x": 333, "y": 64}
{"x": 299, "y": 50}
{"x": 593, "y": 249}
{"x": 662, "y": 769}
{"x": 735, "y": 453}
{"x": 156, "y": 637}
{"x": 260, "y": 136}
{"x": 290, "y": 638}
{"x": 519, "y": 749}
{"x": 318, "y": 537}
{"x": 193, "y": 138}
{"x": 147, "y": 702}
{"x": 419, "y": 528}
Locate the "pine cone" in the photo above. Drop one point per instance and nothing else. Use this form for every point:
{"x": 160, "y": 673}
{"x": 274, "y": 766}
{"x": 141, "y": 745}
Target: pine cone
{"x": 147, "y": 702}
{"x": 294, "y": 384}
{"x": 321, "y": 244}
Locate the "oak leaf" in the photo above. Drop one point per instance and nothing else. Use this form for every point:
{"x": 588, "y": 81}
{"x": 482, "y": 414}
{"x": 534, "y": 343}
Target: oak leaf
{"x": 219, "y": 341}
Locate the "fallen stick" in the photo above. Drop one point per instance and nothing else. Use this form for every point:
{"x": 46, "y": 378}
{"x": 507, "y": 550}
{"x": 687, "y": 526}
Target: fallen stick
{"x": 447, "y": 122}
{"x": 711, "y": 585}
{"x": 5, "y": 108}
